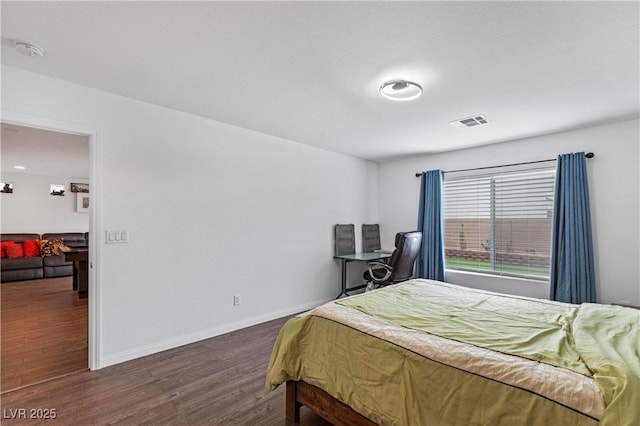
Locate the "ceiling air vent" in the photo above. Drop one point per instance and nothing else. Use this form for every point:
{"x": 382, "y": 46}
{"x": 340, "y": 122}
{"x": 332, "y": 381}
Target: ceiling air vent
{"x": 473, "y": 121}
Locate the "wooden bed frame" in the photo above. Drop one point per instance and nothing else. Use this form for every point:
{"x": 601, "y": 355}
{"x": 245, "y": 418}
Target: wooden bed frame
{"x": 300, "y": 393}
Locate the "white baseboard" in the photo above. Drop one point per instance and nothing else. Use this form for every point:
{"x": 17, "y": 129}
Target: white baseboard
{"x": 186, "y": 339}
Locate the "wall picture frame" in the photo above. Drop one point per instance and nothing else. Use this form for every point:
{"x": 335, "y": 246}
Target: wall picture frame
{"x": 79, "y": 187}
{"x": 6, "y": 187}
{"x": 55, "y": 189}
{"x": 82, "y": 202}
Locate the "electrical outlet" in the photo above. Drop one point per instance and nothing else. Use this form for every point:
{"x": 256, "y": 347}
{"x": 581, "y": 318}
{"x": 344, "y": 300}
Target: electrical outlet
{"x": 236, "y": 299}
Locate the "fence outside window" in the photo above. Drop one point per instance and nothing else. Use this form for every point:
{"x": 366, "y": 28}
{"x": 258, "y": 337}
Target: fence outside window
{"x": 500, "y": 222}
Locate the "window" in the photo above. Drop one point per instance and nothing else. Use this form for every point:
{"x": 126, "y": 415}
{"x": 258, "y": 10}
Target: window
{"x": 500, "y": 222}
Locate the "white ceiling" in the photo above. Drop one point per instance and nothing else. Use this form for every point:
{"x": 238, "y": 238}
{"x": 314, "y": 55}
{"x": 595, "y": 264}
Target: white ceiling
{"x": 43, "y": 152}
{"x": 310, "y": 71}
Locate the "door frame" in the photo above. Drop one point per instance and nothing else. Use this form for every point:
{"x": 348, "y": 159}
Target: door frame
{"x": 95, "y": 216}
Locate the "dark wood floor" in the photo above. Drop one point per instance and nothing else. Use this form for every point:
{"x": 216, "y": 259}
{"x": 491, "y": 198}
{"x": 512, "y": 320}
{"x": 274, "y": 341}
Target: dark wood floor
{"x": 219, "y": 381}
{"x": 44, "y": 331}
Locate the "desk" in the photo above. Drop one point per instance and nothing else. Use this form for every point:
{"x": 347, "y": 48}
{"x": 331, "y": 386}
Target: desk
{"x": 80, "y": 259}
{"x": 356, "y": 257}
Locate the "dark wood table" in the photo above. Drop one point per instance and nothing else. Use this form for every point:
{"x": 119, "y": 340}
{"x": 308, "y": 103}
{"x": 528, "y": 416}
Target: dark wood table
{"x": 80, "y": 259}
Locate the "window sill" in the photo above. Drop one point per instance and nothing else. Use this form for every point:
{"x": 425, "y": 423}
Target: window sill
{"x": 514, "y": 277}
{"x": 500, "y": 284}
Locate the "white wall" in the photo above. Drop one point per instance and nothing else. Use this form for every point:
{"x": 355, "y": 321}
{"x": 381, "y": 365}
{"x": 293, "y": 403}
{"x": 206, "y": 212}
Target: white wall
{"x": 212, "y": 210}
{"x": 614, "y": 180}
{"x": 31, "y": 209}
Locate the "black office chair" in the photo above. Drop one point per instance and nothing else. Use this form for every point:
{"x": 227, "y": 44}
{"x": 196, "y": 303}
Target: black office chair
{"x": 399, "y": 266}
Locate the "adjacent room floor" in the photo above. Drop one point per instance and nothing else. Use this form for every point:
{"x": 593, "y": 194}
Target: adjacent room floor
{"x": 218, "y": 381}
{"x": 44, "y": 331}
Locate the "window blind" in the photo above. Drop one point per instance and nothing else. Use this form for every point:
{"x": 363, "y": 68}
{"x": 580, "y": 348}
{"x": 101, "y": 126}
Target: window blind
{"x": 500, "y": 222}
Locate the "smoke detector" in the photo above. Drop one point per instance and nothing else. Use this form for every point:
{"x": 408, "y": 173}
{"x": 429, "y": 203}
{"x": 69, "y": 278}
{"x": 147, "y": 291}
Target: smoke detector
{"x": 28, "y": 49}
{"x": 474, "y": 120}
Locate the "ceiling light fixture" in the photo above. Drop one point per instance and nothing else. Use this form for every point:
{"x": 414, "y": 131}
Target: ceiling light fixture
{"x": 28, "y": 49}
{"x": 400, "y": 90}
{"x": 19, "y": 167}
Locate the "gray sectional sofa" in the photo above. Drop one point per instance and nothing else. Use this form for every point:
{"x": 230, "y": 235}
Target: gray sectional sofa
{"x": 29, "y": 268}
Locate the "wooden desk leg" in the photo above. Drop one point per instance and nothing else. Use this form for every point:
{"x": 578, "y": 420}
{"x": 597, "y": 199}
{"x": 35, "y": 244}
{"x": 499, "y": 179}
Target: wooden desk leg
{"x": 75, "y": 276}
{"x": 83, "y": 278}
{"x": 292, "y": 410}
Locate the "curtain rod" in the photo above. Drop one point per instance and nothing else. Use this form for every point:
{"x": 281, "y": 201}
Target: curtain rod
{"x": 587, "y": 155}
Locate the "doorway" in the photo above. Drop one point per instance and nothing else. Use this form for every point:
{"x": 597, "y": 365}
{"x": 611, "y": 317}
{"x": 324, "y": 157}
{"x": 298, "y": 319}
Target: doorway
{"x": 45, "y": 322}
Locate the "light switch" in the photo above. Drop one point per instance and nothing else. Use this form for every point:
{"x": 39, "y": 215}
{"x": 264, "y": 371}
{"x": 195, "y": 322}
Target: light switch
{"x": 116, "y": 237}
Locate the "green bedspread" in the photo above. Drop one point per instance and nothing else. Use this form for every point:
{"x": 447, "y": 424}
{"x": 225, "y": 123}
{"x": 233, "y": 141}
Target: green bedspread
{"x": 608, "y": 340}
{"x": 524, "y": 327}
{"x": 597, "y": 341}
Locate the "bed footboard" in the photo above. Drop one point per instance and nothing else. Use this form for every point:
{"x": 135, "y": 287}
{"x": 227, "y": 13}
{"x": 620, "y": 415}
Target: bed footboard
{"x": 300, "y": 393}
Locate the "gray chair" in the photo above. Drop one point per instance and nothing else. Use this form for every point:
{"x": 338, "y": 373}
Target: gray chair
{"x": 399, "y": 266}
{"x": 370, "y": 238}
{"x": 345, "y": 239}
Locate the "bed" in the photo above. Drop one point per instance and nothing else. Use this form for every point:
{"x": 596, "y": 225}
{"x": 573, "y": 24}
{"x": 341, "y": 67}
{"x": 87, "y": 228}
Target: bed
{"x": 429, "y": 353}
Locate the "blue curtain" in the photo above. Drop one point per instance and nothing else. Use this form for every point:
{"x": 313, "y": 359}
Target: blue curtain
{"x": 430, "y": 263}
{"x": 572, "y": 269}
